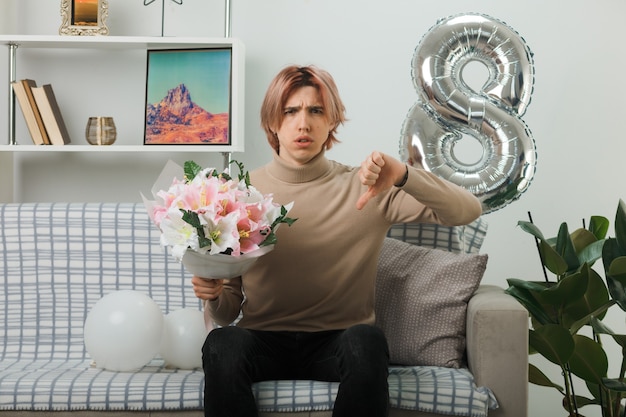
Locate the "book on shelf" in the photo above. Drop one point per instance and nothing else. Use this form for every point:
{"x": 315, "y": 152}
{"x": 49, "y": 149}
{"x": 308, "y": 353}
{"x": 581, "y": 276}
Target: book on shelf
{"x": 26, "y": 100}
{"x": 51, "y": 115}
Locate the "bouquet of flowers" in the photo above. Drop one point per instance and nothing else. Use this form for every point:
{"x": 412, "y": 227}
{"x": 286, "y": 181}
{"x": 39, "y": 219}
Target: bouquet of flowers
{"x": 216, "y": 225}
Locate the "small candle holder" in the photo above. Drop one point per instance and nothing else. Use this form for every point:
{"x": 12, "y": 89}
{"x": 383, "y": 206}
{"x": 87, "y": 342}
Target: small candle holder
{"x": 100, "y": 131}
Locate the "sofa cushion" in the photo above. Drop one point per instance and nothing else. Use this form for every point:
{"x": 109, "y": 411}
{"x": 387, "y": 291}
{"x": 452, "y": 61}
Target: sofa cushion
{"x": 421, "y": 302}
{"x": 429, "y": 389}
{"x": 73, "y": 385}
{"x": 458, "y": 239}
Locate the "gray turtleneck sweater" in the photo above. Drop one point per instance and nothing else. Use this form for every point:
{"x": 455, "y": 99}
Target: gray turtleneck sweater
{"x": 321, "y": 274}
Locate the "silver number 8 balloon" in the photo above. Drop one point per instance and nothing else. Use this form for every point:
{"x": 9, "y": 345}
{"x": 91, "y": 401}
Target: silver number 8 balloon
{"x": 447, "y": 108}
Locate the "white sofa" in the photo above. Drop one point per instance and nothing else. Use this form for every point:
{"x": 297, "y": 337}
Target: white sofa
{"x": 58, "y": 259}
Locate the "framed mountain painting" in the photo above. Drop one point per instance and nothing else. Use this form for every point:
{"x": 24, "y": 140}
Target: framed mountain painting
{"x": 189, "y": 97}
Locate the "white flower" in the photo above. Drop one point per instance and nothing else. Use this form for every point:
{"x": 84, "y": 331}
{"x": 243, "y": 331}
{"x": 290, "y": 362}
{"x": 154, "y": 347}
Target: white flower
{"x": 222, "y": 232}
{"x": 178, "y": 234}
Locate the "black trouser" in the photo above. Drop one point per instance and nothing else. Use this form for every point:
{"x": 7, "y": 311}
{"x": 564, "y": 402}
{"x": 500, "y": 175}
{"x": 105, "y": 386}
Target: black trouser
{"x": 233, "y": 358}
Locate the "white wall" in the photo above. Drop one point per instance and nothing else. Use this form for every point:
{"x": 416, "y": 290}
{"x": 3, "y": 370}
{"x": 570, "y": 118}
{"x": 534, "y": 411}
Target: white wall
{"x": 575, "y": 114}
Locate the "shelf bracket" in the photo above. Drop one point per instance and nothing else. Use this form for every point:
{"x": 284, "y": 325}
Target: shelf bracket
{"x": 227, "y": 159}
{"x": 228, "y": 156}
{"x": 12, "y": 78}
{"x": 227, "y": 19}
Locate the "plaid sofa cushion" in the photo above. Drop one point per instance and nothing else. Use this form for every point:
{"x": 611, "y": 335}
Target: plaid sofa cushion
{"x": 64, "y": 384}
{"x": 429, "y": 389}
{"x": 58, "y": 259}
{"x": 458, "y": 239}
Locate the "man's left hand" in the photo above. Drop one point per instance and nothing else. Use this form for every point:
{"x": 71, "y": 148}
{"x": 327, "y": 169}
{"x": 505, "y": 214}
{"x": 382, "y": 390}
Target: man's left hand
{"x": 379, "y": 172}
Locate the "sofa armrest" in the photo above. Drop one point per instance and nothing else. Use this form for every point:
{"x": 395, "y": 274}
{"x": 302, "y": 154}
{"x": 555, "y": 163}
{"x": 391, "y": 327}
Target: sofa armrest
{"x": 497, "y": 348}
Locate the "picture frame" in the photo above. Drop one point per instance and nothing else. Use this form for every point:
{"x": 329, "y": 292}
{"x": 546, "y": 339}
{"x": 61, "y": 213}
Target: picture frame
{"x": 189, "y": 97}
{"x": 84, "y": 17}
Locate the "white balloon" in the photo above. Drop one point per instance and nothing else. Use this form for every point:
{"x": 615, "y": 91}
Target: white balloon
{"x": 184, "y": 333}
{"x": 123, "y": 331}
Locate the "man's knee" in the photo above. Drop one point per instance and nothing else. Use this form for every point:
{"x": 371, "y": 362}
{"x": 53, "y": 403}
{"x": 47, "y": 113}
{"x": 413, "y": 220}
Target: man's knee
{"x": 225, "y": 346}
{"x": 224, "y": 337}
{"x": 366, "y": 343}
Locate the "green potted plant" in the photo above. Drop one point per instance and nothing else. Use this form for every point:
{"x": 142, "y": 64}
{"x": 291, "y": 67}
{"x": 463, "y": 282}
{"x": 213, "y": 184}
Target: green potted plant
{"x": 576, "y": 299}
